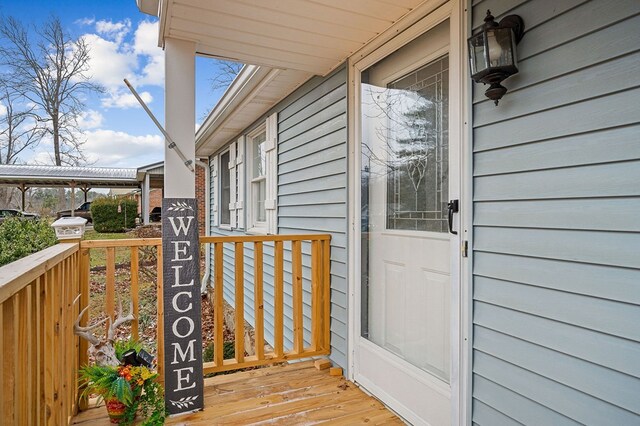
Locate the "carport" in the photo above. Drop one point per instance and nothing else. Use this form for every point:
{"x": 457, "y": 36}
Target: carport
{"x": 25, "y": 177}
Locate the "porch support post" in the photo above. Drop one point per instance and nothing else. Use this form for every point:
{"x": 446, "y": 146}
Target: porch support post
{"x": 145, "y": 199}
{"x": 180, "y": 117}
{"x": 72, "y": 199}
{"x": 181, "y": 301}
{"x": 23, "y": 190}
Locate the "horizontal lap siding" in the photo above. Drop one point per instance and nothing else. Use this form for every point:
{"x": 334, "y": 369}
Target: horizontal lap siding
{"x": 557, "y": 221}
{"x": 312, "y": 183}
{"x": 312, "y": 198}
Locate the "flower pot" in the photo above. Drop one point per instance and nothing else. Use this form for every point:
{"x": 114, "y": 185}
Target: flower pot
{"x": 116, "y": 410}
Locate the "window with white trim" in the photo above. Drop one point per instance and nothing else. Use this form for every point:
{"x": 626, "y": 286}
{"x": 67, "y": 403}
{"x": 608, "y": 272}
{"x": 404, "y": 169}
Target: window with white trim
{"x": 225, "y": 190}
{"x": 257, "y": 180}
{"x": 262, "y": 177}
{"x": 229, "y": 182}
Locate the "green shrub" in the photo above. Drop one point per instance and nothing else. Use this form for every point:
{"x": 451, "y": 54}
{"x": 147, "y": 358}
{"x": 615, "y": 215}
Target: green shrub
{"x": 20, "y": 238}
{"x": 106, "y": 217}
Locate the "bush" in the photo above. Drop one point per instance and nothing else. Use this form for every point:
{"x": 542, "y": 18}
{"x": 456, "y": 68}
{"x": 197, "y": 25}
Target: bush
{"x": 106, "y": 217}
{"x": 21, "y": 237}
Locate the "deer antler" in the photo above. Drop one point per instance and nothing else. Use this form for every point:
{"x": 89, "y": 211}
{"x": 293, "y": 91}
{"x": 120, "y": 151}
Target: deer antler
{"x": 84, "y": 331}
{"x": 120, "y": 320}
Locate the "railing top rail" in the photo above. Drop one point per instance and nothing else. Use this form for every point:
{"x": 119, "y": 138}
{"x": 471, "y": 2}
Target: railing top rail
{"x": 18, "y": 274}
{"x": 129, "y": 242}
{"x": 264, "y": 238}
{"x": 137, "y": 242}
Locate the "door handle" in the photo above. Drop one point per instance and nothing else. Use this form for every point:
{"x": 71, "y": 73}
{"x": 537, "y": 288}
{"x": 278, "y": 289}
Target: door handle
{"x": 453, "y": 206}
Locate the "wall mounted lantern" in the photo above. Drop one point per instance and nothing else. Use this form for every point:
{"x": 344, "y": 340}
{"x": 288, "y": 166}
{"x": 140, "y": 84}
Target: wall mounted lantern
{"x": 492, "y": 53}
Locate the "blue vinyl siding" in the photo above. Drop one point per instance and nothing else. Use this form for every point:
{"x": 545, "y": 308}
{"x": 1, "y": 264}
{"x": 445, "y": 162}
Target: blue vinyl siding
{"x": 556, "y": 285}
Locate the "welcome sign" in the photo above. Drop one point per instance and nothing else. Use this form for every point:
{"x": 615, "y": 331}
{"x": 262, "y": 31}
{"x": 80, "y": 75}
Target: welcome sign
{"x": 182, "y": 314}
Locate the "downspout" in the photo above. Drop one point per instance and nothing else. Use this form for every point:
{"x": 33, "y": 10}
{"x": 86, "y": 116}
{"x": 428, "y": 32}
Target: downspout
{"x": 207, "y": 224}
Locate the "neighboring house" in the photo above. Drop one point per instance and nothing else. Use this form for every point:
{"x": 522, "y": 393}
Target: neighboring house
{"x": 151, "y": 179}
{"x": 360, "y": 120}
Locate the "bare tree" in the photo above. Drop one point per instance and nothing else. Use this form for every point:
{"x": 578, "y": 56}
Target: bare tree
{"x": 50, "y": 72}
{"x": 19, "y": 130}
{"x": 226, "y": 72}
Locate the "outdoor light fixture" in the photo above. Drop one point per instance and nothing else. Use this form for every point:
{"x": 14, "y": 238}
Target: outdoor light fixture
{"x": 492, "y": 53}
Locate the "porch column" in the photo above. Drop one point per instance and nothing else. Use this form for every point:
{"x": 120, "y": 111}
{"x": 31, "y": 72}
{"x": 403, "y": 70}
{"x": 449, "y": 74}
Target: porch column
{"x": 23, "y": 190}
{"x": 85, "y": 190}
{"x": 72, "y": 200}
{"x": 180, "y": 117}
{"x": 181, "y": 344}
{"x": 145, "y": 199}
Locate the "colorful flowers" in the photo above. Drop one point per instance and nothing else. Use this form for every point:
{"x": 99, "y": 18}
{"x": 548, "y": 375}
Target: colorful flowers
{"x": 136, "y": 375}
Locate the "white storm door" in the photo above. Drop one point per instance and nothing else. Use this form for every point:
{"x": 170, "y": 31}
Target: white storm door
{"x": 403, "y": 352}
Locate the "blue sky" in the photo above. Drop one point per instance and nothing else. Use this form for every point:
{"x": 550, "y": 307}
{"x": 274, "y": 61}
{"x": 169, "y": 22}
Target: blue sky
{"x": 123, "y": 44}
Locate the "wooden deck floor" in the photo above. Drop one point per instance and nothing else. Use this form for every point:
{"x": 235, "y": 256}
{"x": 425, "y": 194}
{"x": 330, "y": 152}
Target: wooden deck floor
{"x": 287, "y": 395}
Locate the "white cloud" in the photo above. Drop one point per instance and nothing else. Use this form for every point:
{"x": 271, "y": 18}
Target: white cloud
{"x": 124, "y": 100}
{"x": 3, "y": 110}
{"x": 41, "y": 157}
{"x": 109, "y": 64}
{"x": 119, "y": 149}
{"x": 113, "y": 58}
{"x": 114, "y": 30}
{"x": 90, "y": 120}
{"x": 84, "y": 21}
{"x": 145, "y": 44}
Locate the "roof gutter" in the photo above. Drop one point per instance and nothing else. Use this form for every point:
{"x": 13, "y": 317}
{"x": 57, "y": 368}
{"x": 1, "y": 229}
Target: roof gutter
{"x": 241, "y": 91}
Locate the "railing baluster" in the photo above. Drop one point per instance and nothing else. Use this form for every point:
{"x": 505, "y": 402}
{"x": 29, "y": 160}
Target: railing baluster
{"x": 3, "y": 371}
{"x": 279, "y": 300}
{"x": 259, "y": 299}
{"x": 316, "y": 296}
{"x": 160, "y": 314}
{"x": 326, "y": 287}
{"x": 57, "y": 357}
{"x": 134, "y": 292}
{"x": 218, "y": 324}
{"x": 84, "y": 301}
{"x": 9, "y": 336}
{"x": 39, "y": 336}
{"x": 65, "y": 386}
{"x": 296, "y": 282}
{"x": 239, "y": 301}
{"x": 23, "y": 378}
{"x": 110, "y": 306}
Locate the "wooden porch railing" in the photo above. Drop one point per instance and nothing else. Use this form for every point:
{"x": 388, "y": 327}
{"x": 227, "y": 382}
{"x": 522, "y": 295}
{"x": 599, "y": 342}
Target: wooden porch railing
{"x": 39, "y": 358}
{"x": 319, "y": 267}
{"x": 320, "y": 299}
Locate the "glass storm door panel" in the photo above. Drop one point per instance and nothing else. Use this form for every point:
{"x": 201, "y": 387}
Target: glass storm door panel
{"x": 405, "y": 245}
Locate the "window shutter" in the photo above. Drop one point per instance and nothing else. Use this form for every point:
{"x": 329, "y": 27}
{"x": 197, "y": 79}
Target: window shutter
{"x": 271, "y": 202}
{"x": 214, "y": 190}
{"x": 240, "y": 202}
{"x": 232, "y": 180}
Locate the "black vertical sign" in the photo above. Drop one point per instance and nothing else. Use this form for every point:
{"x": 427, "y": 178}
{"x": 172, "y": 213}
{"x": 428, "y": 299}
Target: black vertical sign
{"x": 182, "y": 315}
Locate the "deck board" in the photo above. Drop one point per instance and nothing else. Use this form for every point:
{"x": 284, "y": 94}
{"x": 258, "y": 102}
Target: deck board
{"x": 290, "y": 394}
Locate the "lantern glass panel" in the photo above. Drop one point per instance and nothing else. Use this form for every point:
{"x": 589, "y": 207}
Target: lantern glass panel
{"x": 500, "y": 46}
{"x": 478, "y": 58}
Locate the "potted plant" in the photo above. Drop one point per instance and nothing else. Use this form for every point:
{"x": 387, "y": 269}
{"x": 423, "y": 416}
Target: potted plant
{"x": 123, "y": 375}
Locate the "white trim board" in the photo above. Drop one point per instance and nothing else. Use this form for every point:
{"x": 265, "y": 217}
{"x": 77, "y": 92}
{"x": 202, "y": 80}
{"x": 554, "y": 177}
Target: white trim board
{"x": 430, "y": 14}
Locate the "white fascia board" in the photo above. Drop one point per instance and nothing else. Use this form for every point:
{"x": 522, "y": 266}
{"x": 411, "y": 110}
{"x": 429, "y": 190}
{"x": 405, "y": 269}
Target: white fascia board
{"x": 149, "y": 7}
{"x": 244, "y": 87}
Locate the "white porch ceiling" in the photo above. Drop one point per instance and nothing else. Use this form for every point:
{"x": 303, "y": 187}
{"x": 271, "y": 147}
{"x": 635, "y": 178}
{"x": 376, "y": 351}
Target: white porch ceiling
{"x": 311, "y": 36}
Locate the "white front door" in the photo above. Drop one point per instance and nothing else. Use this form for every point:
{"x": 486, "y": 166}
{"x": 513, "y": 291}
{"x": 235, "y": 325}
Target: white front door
{"x": 403, "y": 351}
